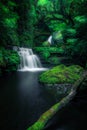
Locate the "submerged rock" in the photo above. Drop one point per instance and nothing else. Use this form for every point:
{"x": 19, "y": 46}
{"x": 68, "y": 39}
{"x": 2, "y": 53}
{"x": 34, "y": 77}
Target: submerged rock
{"x": 83, "y": 86}
{"x": 58, "y": 90}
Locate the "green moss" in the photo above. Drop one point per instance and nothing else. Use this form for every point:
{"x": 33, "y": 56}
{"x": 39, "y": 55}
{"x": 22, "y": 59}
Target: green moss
{"x": 39, "y": 125}
{"x": 61, "y": 74}
{"x": 46, "y": 44}
{"x": 41, "y": 122}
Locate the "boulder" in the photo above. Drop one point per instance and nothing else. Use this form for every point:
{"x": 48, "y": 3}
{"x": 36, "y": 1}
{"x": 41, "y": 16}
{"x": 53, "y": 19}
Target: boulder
{"x": 61, "y": 74}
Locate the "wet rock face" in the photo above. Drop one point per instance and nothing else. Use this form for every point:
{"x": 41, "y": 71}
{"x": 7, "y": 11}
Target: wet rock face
{"x": 83, "y": 85}
{"x": 58, "y": 90}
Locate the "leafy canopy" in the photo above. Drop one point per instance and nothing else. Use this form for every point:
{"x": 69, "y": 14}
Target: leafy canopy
{"x": 43, "y": 2}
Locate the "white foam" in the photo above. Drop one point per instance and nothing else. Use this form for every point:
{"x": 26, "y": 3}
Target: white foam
{"x": 32, "y": 69}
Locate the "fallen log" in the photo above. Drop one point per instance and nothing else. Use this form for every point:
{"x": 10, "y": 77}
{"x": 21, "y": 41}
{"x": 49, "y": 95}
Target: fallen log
{"x": 41, "y": 122}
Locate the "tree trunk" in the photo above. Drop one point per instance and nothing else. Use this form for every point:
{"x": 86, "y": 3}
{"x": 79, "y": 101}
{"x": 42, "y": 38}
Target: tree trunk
{"x": 41, "y": 122}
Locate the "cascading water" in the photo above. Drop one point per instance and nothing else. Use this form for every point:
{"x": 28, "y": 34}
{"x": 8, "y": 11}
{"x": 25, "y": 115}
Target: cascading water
{"x": 50, "y": 39}
{"x": 28, "y": 60}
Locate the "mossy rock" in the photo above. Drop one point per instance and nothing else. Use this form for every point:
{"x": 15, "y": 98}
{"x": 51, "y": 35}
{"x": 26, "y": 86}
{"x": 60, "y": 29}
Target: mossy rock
{"x": 61, "y": 74}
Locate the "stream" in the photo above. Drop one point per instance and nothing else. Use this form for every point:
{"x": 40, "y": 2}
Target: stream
{"x": 23, "y": 100}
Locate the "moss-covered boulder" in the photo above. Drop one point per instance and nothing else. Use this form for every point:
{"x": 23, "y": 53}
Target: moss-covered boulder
{"x": 61, "y": 74}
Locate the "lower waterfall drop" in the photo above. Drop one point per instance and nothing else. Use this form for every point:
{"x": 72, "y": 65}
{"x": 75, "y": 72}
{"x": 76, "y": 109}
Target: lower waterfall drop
{"x": 28, "y": 60}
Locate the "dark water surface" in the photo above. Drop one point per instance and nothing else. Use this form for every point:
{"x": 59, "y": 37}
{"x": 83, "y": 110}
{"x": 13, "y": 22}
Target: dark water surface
{"x": 73, "y": 116}
{"x": 23, "y": 100}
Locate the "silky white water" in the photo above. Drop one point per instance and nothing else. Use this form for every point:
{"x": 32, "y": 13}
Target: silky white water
{"x": 28, "y": 60}
{"x": 50, "y": 39}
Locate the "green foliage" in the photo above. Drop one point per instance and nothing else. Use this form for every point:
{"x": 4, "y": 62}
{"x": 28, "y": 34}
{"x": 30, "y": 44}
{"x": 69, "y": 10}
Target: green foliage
{"x": 80, "y": 19}
{"x": 11, "y": 4}
{"x": 54, "y": 60}
{"x": 17, "y": 22}
{"x": 49, "y": 49}
{"x": 28, "y": 22}
{"x": 47, "y": 52}
{"x": 71, "y": 41}
{"x": 55, "y": 25}
{"x": 70, "y": 17}
{"x": 61, "y": 74}
{"x": 45, "y": 55}
{"x": 9, "y": 60}
{"x": 42, "y": 2}
{"x": 45, "y": 6}
{"x": 8, "y": 24}
{"x": 76, "y": 37}
{"x": 69, "y": 33}
{"x": 45, "y": 44}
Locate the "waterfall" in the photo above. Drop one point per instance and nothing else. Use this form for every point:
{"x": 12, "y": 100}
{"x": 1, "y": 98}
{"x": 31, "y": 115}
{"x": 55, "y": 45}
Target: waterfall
{"x": 50, "y": 39}
{"x": 28, "y": 60}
